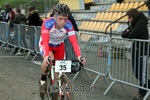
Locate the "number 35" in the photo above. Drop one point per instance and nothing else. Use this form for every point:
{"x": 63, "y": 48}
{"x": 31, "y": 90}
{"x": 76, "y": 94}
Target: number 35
{"x": 62, "y": 67}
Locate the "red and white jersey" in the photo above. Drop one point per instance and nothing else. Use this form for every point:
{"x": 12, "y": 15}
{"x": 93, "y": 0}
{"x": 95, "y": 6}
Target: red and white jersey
{"x": 52, "y": 36}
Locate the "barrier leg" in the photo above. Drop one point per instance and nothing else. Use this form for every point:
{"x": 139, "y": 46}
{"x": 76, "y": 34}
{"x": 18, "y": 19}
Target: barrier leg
{"x": 109, "y": 87}
{"x": 27, "y": 55}
{"x": 34, "y": 57}
{"x": 6, "y": 48}
{"x": 19, "y": 52}
{"x": 76, "y": 75}
{"x": 125, "y": 90}
{"x": 79, "y": 72}
{"x": 106, "y": 80}
{"x": 88, "y": 74}
{"x": 95, "y": 80}
{"x": 146, "y": 96}
{"x": 2, "y": 46}
{"x": 13, "y": 50}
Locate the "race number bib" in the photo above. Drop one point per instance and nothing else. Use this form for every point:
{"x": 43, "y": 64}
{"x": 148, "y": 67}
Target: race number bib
{"x": 63, "y": 66}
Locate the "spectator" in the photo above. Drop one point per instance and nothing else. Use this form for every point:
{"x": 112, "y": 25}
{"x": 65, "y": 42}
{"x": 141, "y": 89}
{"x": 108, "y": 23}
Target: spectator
{"x": 148, "y": 5}
{"x": 34, "y": 20}
{"x": 11, "y": 19}
{"x": 137, "y": 29}
{"x": 7, "y": 11}
{"x": 70, "y": 52}
{"x": 2, "y": 15}
{"x": 21, "y": 19}
{"x": 33, "y": 17}
{"x": 73, "y": 22}
{"x": 10, "y": 26}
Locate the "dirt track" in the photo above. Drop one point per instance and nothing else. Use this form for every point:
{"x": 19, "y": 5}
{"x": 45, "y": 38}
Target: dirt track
{"x": 19, "y": 81}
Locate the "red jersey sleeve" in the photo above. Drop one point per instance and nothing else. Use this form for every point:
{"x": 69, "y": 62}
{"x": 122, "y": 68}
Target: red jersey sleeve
{"x": 72, "y": 37}
{"x": 45, "y": 35}
{"x": 75, "y": 45}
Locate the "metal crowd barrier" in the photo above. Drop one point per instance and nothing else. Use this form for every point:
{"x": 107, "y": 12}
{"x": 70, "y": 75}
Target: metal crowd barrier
{"x": 129, "y": 63}
{"x": 70, "y": 54}
{"x": 20, "y": 38}
{"x": 95, "y": 48}
{"x": 24, "y": 37}
{"x": 14, "y": 37}
{"x": 3, "y": 33}
{"x": 36, "y": 41}
{"x": 31, "y": 37}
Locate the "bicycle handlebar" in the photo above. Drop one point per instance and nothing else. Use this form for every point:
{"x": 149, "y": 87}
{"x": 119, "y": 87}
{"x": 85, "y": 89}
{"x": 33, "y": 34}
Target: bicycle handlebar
{"x": 75, "y": 68}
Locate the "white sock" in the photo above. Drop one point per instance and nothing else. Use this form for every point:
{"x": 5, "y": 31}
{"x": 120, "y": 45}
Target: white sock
{"x": 42, "y": 82}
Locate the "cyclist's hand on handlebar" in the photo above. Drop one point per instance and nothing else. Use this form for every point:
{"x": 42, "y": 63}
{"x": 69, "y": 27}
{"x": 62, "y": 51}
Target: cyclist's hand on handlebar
{"x": 46, "y": 60}
{"x": 82, "y": 60}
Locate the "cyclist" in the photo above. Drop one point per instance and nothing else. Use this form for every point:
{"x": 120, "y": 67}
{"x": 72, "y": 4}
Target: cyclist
{"x": 53, "y": 32}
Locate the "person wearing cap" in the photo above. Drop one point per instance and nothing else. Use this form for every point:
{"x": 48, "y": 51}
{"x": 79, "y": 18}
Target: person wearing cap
{"x": 137, "y": 29}
{"x": 51, "y": 44}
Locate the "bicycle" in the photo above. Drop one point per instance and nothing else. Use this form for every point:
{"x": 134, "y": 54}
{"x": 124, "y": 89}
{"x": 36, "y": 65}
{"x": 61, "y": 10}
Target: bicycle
{"x": 60, "y": 88}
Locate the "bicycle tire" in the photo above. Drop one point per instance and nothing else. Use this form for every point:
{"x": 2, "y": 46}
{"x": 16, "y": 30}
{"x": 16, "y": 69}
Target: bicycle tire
{"x": 52, "y": 94}
{"x": 48, "y": 93}
{"x": 70, "y": 95}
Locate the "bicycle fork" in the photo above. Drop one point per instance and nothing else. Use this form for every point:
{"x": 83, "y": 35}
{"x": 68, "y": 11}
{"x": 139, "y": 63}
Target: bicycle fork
{"x": 59, "y": 84}
{"x": 52, "y": 75}
{"x": 62, "y": 87}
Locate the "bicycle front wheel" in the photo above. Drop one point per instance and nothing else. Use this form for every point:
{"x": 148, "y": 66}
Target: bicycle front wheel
{"x": 69, "y": 94}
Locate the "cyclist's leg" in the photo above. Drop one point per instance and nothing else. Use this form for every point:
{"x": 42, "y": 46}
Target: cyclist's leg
{"x": 43, "y": 66}
{"x": 43, "y": 83}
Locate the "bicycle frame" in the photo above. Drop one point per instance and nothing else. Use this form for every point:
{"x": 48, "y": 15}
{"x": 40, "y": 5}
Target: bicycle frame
{"x": 60, "y": 80}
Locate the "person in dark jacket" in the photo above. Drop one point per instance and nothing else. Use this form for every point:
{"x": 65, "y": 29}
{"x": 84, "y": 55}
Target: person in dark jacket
{"x": 2, "y": 12}
{"x": 7, "y": 11}
{"x": 21, "y": 19}
{"x": 33, "y": 17}
{"x": 72, "y": 20}
{"x": 148, "y": 5}
{"x": 137, "y": 29}
{"x": 34, "y": 20}
{"x": 11, "y": 26}
{"x": 70, "y": 54}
